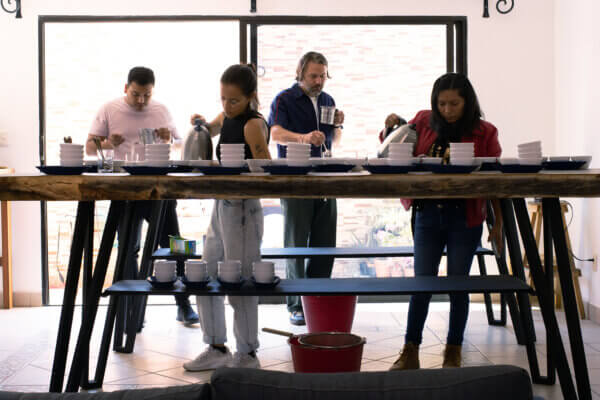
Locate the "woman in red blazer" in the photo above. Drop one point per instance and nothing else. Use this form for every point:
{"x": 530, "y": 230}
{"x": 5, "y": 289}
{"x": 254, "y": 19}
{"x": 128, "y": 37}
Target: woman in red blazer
{"x": 455, "y": 116}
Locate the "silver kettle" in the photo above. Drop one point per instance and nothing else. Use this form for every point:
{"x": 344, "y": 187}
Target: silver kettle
{"x": 198, "y": 143}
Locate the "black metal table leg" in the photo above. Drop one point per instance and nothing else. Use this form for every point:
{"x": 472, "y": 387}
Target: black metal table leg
{"x": 514, "y": 251}
{"x": 552, "y": 206}
{"x": 79, "y": 375}
{"x": 68, "y": 307}
{"x": 487, "y": 297}
{"x": 550, "y": 321}
{"x": 549, "y": 270}
{"x": 138, "y": 303}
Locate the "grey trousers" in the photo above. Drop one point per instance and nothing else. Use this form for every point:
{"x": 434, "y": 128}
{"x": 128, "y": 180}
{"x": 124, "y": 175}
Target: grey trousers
{"x": 235, "y": 233}
{"x": 308, "y": 223}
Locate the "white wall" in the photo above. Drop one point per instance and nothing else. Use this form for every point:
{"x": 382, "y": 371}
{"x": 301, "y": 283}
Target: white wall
{"x": 511, "y": 64}
{"x": 577, "y": 121}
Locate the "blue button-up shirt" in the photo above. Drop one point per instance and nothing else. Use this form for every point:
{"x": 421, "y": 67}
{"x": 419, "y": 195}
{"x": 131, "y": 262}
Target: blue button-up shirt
{"x": 293, "y": 110}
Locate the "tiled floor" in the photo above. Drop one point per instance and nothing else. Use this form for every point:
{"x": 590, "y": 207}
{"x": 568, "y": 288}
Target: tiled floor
{"x": 28, "y": 335}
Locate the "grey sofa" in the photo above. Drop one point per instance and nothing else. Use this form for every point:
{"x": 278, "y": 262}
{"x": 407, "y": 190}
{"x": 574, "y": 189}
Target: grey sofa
{"x": 489, "y": 382}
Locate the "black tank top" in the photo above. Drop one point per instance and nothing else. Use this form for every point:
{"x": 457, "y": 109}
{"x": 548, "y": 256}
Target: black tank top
{"x": 233, "y": 131}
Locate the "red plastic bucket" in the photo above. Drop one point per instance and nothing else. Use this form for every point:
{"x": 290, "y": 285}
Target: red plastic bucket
{"x": 327, "y": 352}
{"x": 329, "y": 313}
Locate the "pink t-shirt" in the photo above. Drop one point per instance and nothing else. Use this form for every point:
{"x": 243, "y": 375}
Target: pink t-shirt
{"x": 117, "y": 116}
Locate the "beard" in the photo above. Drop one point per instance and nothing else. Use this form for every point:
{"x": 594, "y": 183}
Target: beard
{"x": 312, "y": 91}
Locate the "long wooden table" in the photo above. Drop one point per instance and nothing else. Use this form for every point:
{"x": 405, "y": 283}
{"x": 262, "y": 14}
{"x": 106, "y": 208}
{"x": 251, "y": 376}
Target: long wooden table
{"x": 510, "y": 188}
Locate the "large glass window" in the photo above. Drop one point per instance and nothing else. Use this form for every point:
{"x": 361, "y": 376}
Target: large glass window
{"x": 378, "y": 65}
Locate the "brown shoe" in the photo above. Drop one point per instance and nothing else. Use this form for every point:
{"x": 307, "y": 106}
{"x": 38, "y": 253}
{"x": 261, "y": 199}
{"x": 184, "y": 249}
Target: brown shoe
{"x": 409, "y": 358}
{"x": 452, "y": 356}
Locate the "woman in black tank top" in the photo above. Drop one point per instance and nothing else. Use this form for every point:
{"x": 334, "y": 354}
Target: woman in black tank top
{"x": 235, "y": 230}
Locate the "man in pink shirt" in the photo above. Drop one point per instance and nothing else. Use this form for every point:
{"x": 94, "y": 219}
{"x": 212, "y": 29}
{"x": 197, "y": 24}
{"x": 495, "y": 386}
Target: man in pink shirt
{"x": 117, "y": 125}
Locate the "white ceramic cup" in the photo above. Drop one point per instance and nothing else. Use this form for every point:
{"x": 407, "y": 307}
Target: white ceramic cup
{"x": 230, "y": 270}
{"x": 196, "y": 270}
{"x": 264, "y": 271}
{"x": 164, "y": 270}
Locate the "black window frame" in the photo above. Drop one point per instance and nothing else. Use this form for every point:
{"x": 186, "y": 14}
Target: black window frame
{"x": 456, "y": 61}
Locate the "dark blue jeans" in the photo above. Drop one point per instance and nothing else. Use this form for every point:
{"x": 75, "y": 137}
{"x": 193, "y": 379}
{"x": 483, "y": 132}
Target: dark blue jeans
{"x": 435, "y": 228}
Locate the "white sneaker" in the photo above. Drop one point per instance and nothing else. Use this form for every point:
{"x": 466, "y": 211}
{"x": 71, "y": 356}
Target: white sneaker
{"x": 210, "y": 358}
{"x": 243, "y": 360}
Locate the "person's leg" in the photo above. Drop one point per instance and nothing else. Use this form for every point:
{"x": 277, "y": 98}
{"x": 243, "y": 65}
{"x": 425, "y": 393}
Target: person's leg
{"x": 211, "y": 309}
{"x": 242, "y": 224}
{"x": 462, "y": 244}
{"x": 297, "y": 217}
{"x": 429, "y": 243}
{"x": 322, "y": 234}
{"x": 185, "y": 312}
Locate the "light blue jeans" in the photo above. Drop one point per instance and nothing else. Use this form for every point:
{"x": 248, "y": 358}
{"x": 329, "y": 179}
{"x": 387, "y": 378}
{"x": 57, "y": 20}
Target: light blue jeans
{"x": 235, "y": 233}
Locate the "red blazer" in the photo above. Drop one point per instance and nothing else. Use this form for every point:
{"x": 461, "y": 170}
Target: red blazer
{"x": 485, "y": 137}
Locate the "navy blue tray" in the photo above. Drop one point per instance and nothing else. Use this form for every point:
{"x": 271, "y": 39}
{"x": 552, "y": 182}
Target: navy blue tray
{"x": 182, "y": 168}
{"x": 218, "y": 170}
{"x": 333, "y": 168}
{"x": 231, "y": 285}
{"x": 148, "y": 170}
{"x": 261, "y": 285}
{"x": 519, "y": 169}
{"x": 287, "y": 170}
{"x": 160, "y": 285}
{"x": 449, "y": 168}
{"x": 562, "y": 165}
{"x": 389, "y": 169}
{"x": 61, "y": 170}
{"x": 195, "y": 285}
{"x": 489, "y": 166}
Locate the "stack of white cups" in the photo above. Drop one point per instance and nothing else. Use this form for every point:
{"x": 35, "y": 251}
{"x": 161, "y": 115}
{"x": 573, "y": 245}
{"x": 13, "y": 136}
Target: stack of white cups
{"x": 232, "y": 155}
{"x": 298, "y": 155}
{"x": 530, "y": 153}
{"x": 230, "y": 270}
{"x": 71, "y": 155}
{"x": 462, "y": 153}
{"x": 157, "y": 154}
{"x": 400, "y": 154}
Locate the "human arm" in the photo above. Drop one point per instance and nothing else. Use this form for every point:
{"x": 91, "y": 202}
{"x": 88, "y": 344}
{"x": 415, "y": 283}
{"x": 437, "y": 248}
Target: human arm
{"x": 214, "y": 126}
{"x": 111, "y": 142}
{"x": 255, "y": 132}
{"x": 282, "y": 136}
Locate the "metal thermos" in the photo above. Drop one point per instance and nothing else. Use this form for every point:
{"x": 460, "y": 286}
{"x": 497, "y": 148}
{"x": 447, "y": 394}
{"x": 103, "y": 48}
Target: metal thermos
{"x": 198, "y": 143}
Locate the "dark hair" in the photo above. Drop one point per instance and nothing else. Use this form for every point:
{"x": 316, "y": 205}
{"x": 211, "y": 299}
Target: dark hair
{"x": 311, "y": 56}
{"x": 244, "y": 77}
{"x": 140, "y": 75}
{"x": 472, "y": 112}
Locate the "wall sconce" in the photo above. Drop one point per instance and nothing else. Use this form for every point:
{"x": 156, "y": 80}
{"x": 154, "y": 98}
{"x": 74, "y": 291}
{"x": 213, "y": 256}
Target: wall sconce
{"x": 507, "y": 6}
{"x": 9, "y": 10}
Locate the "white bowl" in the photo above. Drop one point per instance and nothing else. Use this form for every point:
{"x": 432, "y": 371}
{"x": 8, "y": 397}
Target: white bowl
{"x": 559, "y": 158}
{"x": 71, "y": 157}
{"x": 486, "y": 159}
{"x": 401, "y": 147}
{"x": 531, "y": 161}
{"x": 228, "y": 158}
{"x": 535, "y": 143}
{"x": 233, "y": 164}
{"x": 508, "y": 161}
{"x": 378, "y": 161}
{"x": 431, "y": 160}
{"x": 157, "y": 158}
{"x": 232, "y": 145}
{"x": 318, "y": 160}
{"x": 67, "y": 146}
{"x": 462, "y": 162}
{"x": 400, "y": 163}
{"x": 587, "y": 160}
{"x": 70, "y": 150}
{"x": 298, "y": 145}
{"x": 158, "y": 147}
{"x": 299, "y": 163}
{"x": 71, "y": 163}
{"x": 466, "y": 145}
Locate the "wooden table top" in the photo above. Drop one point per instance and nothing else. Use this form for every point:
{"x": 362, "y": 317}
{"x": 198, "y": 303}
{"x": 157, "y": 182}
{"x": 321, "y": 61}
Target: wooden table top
{"x": 475, "y": 185}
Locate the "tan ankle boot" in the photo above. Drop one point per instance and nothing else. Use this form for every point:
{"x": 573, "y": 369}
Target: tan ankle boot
{"x": 452, "y": 356}
{"x": 409, "y": 358}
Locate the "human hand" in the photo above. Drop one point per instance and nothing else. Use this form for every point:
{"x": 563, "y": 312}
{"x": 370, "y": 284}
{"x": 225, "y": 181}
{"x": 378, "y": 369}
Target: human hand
{"x": 316, "y": 138}
{"x": 392, "y": 120}
{"x": 195, "y": 117}
{"x": 164, "y": 134}
{"x": 495, "y": 236}
{"x": 116, "y": 139}
{"x": 338, "y": 119}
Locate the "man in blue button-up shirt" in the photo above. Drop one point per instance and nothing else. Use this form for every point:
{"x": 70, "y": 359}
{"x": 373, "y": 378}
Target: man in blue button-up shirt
{"x": 295, "y": 117}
